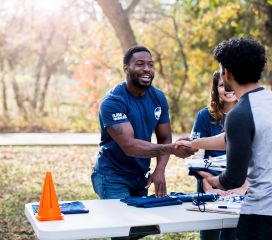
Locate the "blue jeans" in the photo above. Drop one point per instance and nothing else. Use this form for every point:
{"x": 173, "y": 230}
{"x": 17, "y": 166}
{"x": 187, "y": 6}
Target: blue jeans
{"x": 251, "y": 227}
{"x": 224, "y": 234}
{"x": 108, "y": 187}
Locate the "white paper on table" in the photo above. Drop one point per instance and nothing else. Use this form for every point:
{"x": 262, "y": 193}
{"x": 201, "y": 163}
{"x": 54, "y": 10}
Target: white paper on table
{"x": 215, "y": 208}
{"x": 220, "y": 158}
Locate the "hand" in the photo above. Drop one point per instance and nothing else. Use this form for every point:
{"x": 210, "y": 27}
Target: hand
{"x": 239, "y": 191}
{"x": 219, "y": 192}
{"x": 158, "y": 179}
{"x": 187, "y": 142}
{"x": 183, "y": 151}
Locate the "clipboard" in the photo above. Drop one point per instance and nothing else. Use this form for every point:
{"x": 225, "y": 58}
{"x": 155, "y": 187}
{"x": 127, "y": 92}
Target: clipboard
{"x": 210, "y": 211}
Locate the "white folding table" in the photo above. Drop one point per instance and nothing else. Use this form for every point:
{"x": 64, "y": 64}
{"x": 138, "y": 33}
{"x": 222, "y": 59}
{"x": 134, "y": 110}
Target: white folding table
{"x": 112, "y": 218}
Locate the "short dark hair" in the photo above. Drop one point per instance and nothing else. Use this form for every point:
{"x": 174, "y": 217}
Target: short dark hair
{"x": 129, "y": 53}
{"x": 243, "y": 57}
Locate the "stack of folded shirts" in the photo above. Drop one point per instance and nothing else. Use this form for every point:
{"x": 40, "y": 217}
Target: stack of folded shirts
{"x": 216, "y": 163}
{"x": 151, "y": 201}
{"x": 67, "y": 208}
{"x": 194, "y": 196}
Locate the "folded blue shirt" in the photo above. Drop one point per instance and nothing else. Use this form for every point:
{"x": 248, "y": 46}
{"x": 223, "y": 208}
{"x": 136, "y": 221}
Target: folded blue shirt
{"x": 162, "y": 204}
{"x": 67, "y": 208}
{"x": 197, "y": 176}
{"x": 194, "y": 196}
{"x": 151, "y": 201}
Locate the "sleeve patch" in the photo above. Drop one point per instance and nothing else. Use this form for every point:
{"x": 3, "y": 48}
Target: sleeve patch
{"x": 119, "y": 116}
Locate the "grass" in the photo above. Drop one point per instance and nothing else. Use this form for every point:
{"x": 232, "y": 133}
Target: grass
{"x": 22, "y": 175}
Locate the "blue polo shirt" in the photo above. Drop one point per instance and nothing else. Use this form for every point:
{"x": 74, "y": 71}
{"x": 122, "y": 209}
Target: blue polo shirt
{"x": 143, "y": 113}
{"x": 203, "y": 128}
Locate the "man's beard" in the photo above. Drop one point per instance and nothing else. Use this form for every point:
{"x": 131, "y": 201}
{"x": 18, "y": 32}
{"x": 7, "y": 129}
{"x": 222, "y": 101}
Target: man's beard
{"x": 136, "y": 82}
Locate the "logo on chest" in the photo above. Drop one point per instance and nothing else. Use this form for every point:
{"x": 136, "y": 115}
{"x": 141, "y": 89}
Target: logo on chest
{"x": 157, "y": 113}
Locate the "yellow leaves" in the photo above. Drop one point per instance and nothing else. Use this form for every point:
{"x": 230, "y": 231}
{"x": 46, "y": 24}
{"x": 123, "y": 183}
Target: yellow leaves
{"x": 206, "y": 19}
{"x": 234, "y": 24}
{"x": 210, "y": 44}
{"x": 202, "y": 4}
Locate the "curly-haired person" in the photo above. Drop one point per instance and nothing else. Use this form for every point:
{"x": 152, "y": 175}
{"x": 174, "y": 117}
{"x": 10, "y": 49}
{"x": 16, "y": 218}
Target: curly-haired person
{"x": 247, "y": 138}
{"x": 210, "y": 122}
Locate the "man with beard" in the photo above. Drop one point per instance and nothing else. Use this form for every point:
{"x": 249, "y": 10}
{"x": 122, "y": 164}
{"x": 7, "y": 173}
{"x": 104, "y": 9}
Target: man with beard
{"x": 128, "y": 115}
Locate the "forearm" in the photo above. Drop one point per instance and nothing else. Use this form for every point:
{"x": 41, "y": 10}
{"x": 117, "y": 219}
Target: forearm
{"x": 142, "y": 149}
{"x": 211, "y": 143}
{"x": 214, "y": 181}
{"x": 163, "y": 160}
{"x": 206, "y": 186}
{"x": 245, "y": 185}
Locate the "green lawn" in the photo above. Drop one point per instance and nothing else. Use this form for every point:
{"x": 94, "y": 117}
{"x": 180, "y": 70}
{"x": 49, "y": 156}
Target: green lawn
{"x": 22, "y": 176}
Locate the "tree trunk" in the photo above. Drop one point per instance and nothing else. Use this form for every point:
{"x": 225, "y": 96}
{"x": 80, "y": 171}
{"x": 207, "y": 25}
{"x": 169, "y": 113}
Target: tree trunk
{"x": 18, "y": 97}
{"x": 268, "y": 23}
{"x": 39, "y": 68}
{"x": 268, "y": 29}
{"x": 119, "y": 19}
{"x": 44, "y": 92}
{"x": 5, "y": 106}
{"x": 16, "y": 91}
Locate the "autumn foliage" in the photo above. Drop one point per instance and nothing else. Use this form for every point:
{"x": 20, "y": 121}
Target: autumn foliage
{"x": 91, "y": 74}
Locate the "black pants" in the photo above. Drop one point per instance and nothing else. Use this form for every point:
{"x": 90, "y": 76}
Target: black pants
{"x": 251, "y": 227}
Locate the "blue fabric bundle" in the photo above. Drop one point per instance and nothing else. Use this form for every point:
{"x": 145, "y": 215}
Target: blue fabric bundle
{"x": 67, "y": 208}
{"x": 194, "y": 196}
{"x": 197, "y": 176}
{"x": 151, "y": 201}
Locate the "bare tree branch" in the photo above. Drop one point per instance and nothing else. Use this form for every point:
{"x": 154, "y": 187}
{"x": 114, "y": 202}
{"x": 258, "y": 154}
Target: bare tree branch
{"x": 119, "y": 21}
{"x": 130, "y": 9}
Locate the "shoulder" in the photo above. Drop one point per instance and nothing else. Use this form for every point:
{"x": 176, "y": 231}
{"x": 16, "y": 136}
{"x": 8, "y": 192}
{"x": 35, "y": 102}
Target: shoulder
{"x": 242, "y": 108}
{"x": 115, "y": 95}
{"x": 204, "y": 114}
{"x": 158, "y": 93}
{"x": 116, "y": 92}
{"x": 241, "y": 114}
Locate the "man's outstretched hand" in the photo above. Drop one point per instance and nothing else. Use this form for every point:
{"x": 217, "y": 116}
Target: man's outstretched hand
{"x": 158, "y": 179}
{"x": 183, "y": 148}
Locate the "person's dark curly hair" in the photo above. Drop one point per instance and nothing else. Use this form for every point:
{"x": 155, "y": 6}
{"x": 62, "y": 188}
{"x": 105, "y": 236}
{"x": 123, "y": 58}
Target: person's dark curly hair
{"x": 129, "y": 53}
{"x": 243, "y": 57}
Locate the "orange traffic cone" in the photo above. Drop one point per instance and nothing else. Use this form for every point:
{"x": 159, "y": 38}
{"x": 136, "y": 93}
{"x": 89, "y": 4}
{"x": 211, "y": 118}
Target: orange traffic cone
{"x": 49, "y": 209}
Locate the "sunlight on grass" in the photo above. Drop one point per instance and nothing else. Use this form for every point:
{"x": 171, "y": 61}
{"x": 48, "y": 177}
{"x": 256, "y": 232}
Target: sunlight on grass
{"x": 22, "y": 175}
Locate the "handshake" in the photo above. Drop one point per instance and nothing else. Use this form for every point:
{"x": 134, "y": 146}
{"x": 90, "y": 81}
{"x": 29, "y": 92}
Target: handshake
{"x": 183, "y": 148}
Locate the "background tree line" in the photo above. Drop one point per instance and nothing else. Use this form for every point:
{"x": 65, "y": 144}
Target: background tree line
{"x": 59, "y": 58}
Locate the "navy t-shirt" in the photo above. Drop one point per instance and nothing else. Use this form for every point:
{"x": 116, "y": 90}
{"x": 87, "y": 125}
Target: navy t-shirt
{"x": 143, "y": 113}
{"x": 203, "y": 128}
